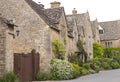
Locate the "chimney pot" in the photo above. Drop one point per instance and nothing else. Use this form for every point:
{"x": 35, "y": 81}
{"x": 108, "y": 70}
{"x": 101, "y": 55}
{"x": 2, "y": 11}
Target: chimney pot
{"x": 74, "y": 11}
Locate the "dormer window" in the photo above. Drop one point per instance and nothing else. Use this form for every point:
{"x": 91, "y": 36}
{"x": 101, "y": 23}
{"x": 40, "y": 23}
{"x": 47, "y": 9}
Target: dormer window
{"x": 101, "y": 30}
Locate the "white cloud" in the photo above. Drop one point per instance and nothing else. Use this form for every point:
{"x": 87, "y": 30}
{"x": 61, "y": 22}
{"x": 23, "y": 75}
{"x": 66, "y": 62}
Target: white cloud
{"x": 104, "y": 10}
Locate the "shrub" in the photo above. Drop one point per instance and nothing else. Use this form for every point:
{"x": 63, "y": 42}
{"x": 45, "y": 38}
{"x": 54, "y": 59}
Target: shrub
{"x": 108, "y": 60}
{"x": 1, "y": 79}
{"x": 92, "y": 71}
{"x": 95, "y": 66}
{"x": 86, "y": 65}
{"x": 61, "y": 69}
{"x": 42, "y": 76}
{"x": 97, "y": 63}
{"x": 9, "y": 77}
{"x": 111, "y": 52}
{"x": 84, "y": 71}
{"x": 101, "y": 61}
{"x": 77, "y": 70}
{"x": 97, "y": 69}
{"x": 117, "y": 58}
{"x": 97, "y": 50}
{"x": 74, "y": 58}
{"x": 105, "y": 65}
{"x": 89, "y": 67}
{"x": 97, "y": 59}
{"x": 115, "y": 65}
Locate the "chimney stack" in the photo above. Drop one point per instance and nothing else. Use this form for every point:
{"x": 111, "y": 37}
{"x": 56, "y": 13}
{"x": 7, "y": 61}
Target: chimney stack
{"x": 55, "y": 4}
{"x": 74, "y": 11}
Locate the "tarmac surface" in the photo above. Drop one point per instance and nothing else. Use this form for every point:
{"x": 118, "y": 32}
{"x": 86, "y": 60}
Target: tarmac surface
{"x": 102, "y": 76}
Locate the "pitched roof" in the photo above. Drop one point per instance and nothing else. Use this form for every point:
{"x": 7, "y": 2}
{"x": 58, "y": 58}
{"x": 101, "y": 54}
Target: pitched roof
{"x": 78, "y": 20}
{"x": 42, "y": 13}
{"x": 111, "y": 30}
{"x": 70, "y": 22}
{"x": 54, "y": 14}
{"x": 94, "y": 26}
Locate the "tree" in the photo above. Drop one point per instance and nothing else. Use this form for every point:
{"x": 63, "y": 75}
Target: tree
{"x": 97, "y": 50}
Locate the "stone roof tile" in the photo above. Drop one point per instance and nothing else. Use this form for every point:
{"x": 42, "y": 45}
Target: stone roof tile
{"x": 54, "y": 14}
{"x": 111, "y": 30}
{"x": 41, "y": 12}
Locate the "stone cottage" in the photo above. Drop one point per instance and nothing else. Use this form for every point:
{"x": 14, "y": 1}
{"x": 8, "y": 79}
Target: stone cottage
{"x": 110, "y": 33}
{"x": 80, "y": 28}
{"x": 32, "y": 35}
{"x": 54, "y": 16}
{"x": 33, "y": 27}
{"x": 26, "y": 25}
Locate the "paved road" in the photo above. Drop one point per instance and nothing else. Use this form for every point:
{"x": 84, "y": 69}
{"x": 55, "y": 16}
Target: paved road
{"x": 103, "y": 76}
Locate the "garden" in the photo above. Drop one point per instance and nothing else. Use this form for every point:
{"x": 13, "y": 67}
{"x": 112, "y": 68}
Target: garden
{"x": 103, "y": 59}
{"x": 61, "y": 69}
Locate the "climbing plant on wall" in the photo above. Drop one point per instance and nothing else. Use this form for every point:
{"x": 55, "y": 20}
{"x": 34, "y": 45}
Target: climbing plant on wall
{"x": 59, "y": 49}
{"x": 81, "y": 49}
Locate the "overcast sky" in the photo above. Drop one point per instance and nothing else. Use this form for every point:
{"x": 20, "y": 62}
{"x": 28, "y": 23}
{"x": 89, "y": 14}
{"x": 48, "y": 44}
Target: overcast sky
{"x": 103, "y": 10}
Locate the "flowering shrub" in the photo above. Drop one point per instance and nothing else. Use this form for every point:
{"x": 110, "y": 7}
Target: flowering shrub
{"x": 61, "y": 69}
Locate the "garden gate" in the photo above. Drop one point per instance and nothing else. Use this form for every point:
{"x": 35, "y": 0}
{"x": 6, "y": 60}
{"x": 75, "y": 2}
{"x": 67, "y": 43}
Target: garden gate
{"x": 26, "y": 66}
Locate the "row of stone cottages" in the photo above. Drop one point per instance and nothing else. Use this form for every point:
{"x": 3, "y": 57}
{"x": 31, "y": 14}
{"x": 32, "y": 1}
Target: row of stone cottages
{"x": 26, "y": 25}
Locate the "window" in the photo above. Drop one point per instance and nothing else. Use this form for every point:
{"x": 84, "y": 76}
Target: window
{"x": 105, "y": 44}
{"x": 100, "y": 31}
{"x": 108, "y": 44}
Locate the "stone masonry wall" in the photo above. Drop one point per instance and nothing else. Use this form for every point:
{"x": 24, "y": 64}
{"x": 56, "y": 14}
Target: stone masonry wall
{"x": 2, "y": 51}
{"x": 88, "y": 38}
{"x": 34, "y": 33}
